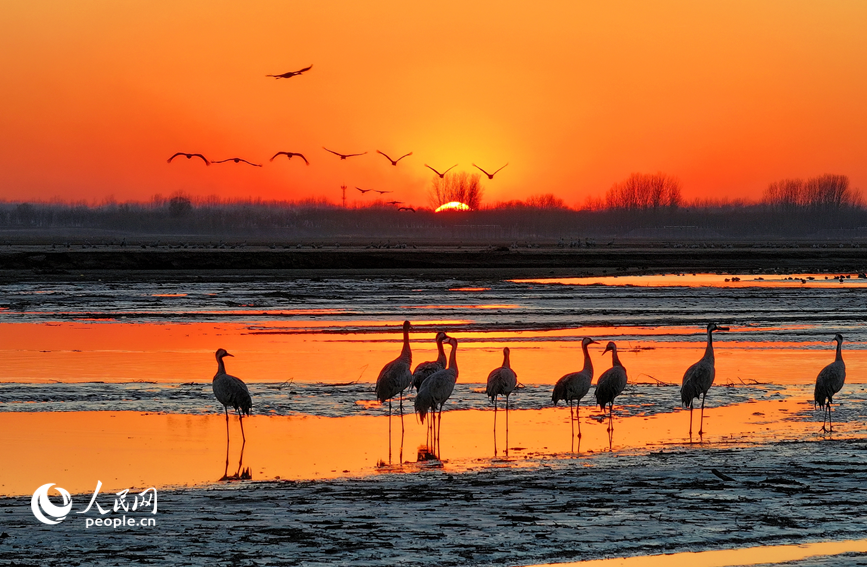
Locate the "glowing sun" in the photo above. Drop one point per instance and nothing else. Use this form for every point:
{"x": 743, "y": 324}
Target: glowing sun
{"x": 453, "y": 206}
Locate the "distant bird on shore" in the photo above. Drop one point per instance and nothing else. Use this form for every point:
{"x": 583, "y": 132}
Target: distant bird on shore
{"x": 406, "y": 209}
{"x": 237, "y": 160}
{"x": 231, "y": 391}
{"x": 437, "y": 388}
{"x": 698, "y": 378}
{"x": 575, "y": 385}
{"x": 289, "y": 155}
{"x": 363, "y": 191}
{"x": 442, "y": 175}
{"x": 393, "y": 161}
{"x": 394, "y": 378}
{"x": 382, "y": 192}
{"x": 502, "y": 381}
{"x": 342, "y": 156}
{"x": 611, "y": 383}
{"x": 829, "y": 381}
{"x": 490, "y": 175}
{"x": 188, "y": 156}
{"x": 291, "y": 73}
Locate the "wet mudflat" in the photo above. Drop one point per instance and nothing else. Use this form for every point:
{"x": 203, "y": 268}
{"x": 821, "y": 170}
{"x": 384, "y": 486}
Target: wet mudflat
{"x": 562, "y": 510}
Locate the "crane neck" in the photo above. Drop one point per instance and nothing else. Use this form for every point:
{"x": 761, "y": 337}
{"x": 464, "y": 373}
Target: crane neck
{"x": 453, "y": 359}
{"x": 708, "y": 352}
{"x": 506, "y": 360}
{"x": 588, "y": 364}
{"x": 839, "y": 357}
{"x": 405, "y": 352}
{"x": 221, "y": 368}
{"x": 615, "y": 360}
{"x": 441, "y": 353}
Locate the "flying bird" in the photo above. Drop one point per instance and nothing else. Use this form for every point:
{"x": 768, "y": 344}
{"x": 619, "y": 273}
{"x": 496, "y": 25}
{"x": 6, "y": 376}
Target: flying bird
{"x": 829, "y": 382}
{"x": 382, "y": 192}
{"x": 502, "y": 381}
{"x": 393, "y": 161}
{"x": 490, "y": 175}
{"x": 231, "y": 391}
{"x": 698, "y": 378}
{"x": 610, "y": 384}
{"x": 289, "y": 155}
{"x": 237, "y": 160}
{"x": 443, "y": 174}
{"x": 291, "y": 73}
{"x": 342, "y": 156}
{"x": 393, "y": 379}
{"x": 188, "y": 156}
{"x": 363, "y": 191}
{"x": 575, "y": 385}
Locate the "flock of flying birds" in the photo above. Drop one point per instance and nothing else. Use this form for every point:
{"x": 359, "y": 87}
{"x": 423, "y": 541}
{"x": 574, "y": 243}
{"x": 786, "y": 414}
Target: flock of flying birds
{"x": 434, "y": 382}
{"x": 290, "y": 155}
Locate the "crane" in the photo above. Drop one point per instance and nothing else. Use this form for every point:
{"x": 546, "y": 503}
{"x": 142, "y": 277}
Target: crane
{"x": 575, "y": 385}
{"x": 501, "y": 382}
{"x": 610, "y": 384}
{"x": 231, "y": 391}
{"x": 829, "y": 381}
{"x": 698, "y": 378}
{"x": 393, "y": 379}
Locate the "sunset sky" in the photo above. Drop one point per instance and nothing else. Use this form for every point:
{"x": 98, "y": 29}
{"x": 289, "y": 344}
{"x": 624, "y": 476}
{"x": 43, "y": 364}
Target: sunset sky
{"x": 575, "y": 96}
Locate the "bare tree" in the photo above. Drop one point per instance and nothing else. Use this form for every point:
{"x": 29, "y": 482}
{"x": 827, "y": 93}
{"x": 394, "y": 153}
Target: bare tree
{"x": 462, "y": 187}
{"x": 545, "y": 201}
{"x": 827, "y": 192}
{"x": 645, "y": 191}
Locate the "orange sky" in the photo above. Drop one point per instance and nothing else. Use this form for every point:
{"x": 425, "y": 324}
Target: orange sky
{"x": 728, "y": 96}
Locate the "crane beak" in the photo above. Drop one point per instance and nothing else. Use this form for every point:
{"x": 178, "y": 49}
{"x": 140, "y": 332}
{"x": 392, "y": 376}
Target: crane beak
{"x": 227, "y": 354}
{"x": 722, "y": 328}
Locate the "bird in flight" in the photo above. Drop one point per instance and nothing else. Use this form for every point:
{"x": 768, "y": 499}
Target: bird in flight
{"x": 289, "y": 155}
{"x": 394, "y": 203}
{"x": 406, "y": 209}
{"x": 188, "y": 156}
{"x": 363, "y": 191}
{"x": 342, "y": 156}
{"x": 291, "y": 73}
{"x": 490, "y": 175}
{"x": 393, "y": 161}
{"x": 238, "y": 160}
{"x": 382, "y": 192}
{"x": 443, "y": 174}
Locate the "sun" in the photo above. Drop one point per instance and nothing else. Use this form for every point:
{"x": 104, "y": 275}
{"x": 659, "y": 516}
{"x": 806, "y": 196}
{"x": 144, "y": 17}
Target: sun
{"x": 453, "y": 206}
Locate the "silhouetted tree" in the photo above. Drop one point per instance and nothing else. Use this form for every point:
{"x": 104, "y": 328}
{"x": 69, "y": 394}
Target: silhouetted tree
{"x": 823, "y": 193}
{"x": 645, "y": 191}
{"x": 179, "y": 206}
{"x": 545, "y": 201}
{"x": 463, "y": 187}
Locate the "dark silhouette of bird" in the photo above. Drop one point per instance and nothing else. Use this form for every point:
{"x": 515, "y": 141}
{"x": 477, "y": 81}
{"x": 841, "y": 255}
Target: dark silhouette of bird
{"x": 237, "y": 160}
{"x": 829, "y": 381}
{"x": 382, "y": 192}
{"x": 393, "y": 161}
{"x": 443, "y": 174}
{"x": 188, "y": 156}
{"x": 490, "y": 175}
{"x": 437, "y": 388}
{"x": 502, "y": 381}
{"x": 611, "y": 383}
{"x": 231, "y": 391}
{"x": 575, "y": 385}
{"x": 289, "y": 155}
{"x": 406, "y": 209}
{"x": 363, "y": 191}
{"x": 394, "y": 203}
{"x": 394, "y": 378}
{"x": 698, "y": 378}
{"x": 425, "y": 369}
{"x": 291, "y": 73}
{"x": 342, "y": 156}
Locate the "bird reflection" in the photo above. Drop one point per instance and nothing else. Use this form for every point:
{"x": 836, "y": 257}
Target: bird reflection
{"x": 240, "y": 474}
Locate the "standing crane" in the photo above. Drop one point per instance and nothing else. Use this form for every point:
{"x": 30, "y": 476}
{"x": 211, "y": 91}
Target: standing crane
{"x": 437, "y": 388}
{"x": 393, "y": 380}
{"x": 610, "y": 384}
{"x": 231, "y": 391}
{"x": 698, "y": 378}
{"x": 829, "y": 381}
{"x": 575, "y": 385}
{"x": 426, "y": 369}
{"x": 501, "y": 382}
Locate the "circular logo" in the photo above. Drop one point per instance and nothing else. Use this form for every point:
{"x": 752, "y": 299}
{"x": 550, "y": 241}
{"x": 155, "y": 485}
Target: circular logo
{"x": 43, "y": 508}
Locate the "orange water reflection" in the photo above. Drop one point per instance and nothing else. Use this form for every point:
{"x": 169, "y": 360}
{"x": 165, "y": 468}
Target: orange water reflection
{"x": 283, "y": 350}
{"x": 712, "y": 280}
{"x": 730, "y": 557}
{"x": 131, "y": 449}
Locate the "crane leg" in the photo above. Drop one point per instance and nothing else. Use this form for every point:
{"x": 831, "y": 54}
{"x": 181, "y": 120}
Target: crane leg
{"x": 507, "y": 425}
{"x": 690, "y": 420}
{"x": 495, "y": 426}
{"x": 830, "y": 423}
{"x": 241, "y": 419}
{"x": 389, "y": 431}
{"x": 701, "y": 419}
{"x": 578, "y": 419}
